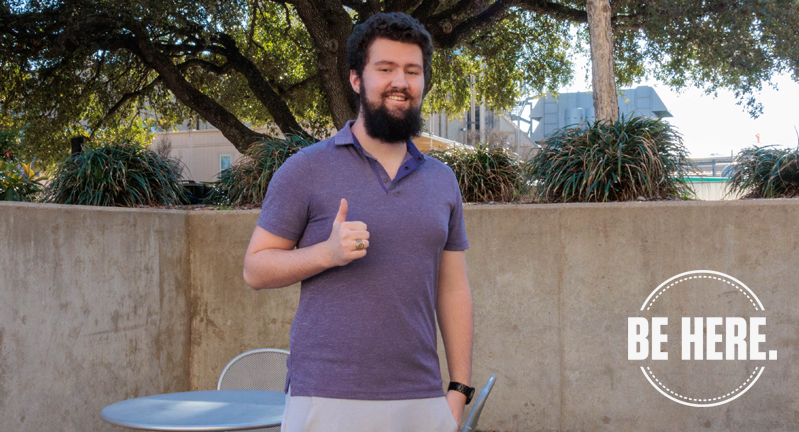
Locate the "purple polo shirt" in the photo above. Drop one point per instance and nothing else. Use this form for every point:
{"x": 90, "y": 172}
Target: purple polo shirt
{"x": 367, "y": 330}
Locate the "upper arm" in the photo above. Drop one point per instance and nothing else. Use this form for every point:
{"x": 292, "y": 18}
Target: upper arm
{"x": 286, "y": 206}
{"x": 262, "y": 239}
{"x": 456, "y": 237}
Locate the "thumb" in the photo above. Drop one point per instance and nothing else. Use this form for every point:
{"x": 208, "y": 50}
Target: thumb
{"x": 341, "y": 216}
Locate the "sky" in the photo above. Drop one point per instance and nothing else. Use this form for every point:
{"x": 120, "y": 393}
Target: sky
{"x": 717, "y": 125}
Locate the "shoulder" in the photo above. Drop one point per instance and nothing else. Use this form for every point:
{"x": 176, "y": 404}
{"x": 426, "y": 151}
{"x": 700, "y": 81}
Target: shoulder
{"x": 317, "y": 151}
{"x": 301, "y": 161}
{"x": 438, "y": 168}
{"x": 443, "y": 175}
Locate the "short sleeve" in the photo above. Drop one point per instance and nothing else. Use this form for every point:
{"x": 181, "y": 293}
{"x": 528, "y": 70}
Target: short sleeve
{"x": 457, "y": 240}
{"x": 284, "y": 211}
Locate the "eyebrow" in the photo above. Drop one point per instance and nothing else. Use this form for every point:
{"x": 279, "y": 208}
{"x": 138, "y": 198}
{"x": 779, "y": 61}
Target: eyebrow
{"x": 391, "y": 63}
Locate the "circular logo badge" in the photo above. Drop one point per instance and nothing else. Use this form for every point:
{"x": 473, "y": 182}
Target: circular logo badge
{"x": 699, "y": 338}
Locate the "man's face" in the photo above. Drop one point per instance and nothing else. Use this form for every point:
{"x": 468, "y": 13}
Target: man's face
{"x": 390, "y": 90}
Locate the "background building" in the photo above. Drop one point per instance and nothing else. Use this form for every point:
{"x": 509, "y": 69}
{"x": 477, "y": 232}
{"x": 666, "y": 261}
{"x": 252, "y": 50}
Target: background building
{"x": 205, "y": 152}
{"x": 487, "y": 126}
{"x": 540, "y": 117}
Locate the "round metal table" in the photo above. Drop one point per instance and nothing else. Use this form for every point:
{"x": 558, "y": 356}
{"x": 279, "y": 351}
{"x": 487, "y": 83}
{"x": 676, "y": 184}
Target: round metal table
{"x": 214, "y": 410}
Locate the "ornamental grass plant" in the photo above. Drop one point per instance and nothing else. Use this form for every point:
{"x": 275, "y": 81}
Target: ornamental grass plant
{"x": 246, "y": 181}
{"x": 485, "y": 172}
{"x": 119, "y": 174}
{"x": 765, "y": 172}
{"x": 633, "y": 158}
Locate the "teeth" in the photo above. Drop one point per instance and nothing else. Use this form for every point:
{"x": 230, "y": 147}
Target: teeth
{"x": 397, "y": 98}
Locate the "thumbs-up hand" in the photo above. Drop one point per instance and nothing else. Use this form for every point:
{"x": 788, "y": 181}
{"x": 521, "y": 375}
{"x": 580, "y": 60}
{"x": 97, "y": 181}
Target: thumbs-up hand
{"x": 342, "y": 245}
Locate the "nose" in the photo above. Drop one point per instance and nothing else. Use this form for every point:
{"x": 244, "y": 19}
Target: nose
{"x": 399, "y": 80}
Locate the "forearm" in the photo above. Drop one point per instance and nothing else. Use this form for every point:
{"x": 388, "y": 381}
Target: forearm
{"x": 456, "y": 320}
{"x": 277, "y": 268}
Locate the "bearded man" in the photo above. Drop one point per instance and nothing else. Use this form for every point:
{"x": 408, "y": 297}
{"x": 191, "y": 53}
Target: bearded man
{"x": 380, "y": 239}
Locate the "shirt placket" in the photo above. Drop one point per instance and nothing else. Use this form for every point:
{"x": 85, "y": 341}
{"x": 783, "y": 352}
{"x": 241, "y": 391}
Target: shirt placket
{"x": 388, "y": 185}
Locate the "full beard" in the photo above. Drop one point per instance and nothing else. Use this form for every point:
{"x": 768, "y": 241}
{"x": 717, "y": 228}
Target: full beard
{"x": 385, "y": 126}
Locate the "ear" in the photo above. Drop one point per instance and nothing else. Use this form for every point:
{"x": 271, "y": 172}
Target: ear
{"x": 355, "y": 81}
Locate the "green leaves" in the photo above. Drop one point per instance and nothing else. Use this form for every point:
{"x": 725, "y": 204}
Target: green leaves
{"x": 523, "y": 54}
{"x": 621, "y": 161}
{"x": 247, "y": 180}
{"x": 116, "y": 174}
{"x": 19, "y": 181}
{"x": 485, "y": 173}
{"x": 765, "y": 172}
{"x": 737, "y": 45}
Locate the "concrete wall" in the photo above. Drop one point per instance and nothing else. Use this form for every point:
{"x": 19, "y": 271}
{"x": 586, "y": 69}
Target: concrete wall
{"x": 227, "y": 316}
{"x": 93, "y": 311}
{"x": 553, "y": 286}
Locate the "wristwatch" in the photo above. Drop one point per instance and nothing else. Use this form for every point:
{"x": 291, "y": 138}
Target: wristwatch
{"x": 463, "y": 388}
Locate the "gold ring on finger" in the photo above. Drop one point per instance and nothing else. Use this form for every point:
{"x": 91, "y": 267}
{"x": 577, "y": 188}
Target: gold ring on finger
{"x": 358, "y": 244}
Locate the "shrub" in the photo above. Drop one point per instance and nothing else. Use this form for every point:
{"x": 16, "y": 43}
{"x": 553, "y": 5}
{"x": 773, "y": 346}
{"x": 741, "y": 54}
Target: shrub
{"x": 115, "y": 174}
{"x": 485, "y": 173}
{"x": 247, "y": 180}
{"x": 765, "y": 172}
{"x": 9, "y": 145}
{"x": 19, "y": 182}
{"x": 619, "y": 161}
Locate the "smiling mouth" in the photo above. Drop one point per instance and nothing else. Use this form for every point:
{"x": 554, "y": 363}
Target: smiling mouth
{"x": 398, "y": 98}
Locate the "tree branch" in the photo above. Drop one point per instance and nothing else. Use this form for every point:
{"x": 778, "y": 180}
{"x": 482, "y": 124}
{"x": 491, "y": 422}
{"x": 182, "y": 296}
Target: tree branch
{"x": 286, "y": 91}
{"x": 492, "y": 14}
{"x": 627, "y": 22}
{"x": 453, "y": 13}
{"x": 236, "y": 132}
{"x": 260, "y": 87}
{"x": 399, "y": 5}
{"x": 426, "y": 8}
{"x": 448, "y": 32}
{"x": 287, "y": 32}
{"x": 555, "y": 10}
{"x": 206, "y": 65}
{"x": 251, "y": 33}
{"x": 125, "y": 98}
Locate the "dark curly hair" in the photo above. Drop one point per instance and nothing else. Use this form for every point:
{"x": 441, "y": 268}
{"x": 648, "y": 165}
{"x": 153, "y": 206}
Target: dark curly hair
{"x": 395, "y": 26}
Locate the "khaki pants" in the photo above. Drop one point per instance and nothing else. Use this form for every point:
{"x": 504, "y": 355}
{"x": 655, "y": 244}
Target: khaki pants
{"x": 319, "y": 414}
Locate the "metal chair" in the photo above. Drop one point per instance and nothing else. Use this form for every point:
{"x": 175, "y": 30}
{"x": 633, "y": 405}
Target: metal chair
{"x": 477, "y": 408}
{"x": 259, "y": 369}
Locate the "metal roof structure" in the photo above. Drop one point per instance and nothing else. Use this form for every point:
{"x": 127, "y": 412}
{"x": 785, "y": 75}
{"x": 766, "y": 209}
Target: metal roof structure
{"x": 540, "y": 117}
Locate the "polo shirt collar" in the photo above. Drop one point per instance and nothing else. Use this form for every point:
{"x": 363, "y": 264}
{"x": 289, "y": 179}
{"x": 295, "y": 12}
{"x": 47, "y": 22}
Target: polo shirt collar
{"x": 345, "y": 136}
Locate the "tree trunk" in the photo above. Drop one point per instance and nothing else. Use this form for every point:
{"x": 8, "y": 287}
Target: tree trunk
{"x": 329, "y": 28}
{"x": 603, "y": 81}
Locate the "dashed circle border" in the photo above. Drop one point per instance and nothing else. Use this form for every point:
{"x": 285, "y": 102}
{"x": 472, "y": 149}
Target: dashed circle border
{"x": 656, "y": 291}
{"x": 704, "y": 405}
{"x": 662, "y": 289}
{"x": 706, "y": 399}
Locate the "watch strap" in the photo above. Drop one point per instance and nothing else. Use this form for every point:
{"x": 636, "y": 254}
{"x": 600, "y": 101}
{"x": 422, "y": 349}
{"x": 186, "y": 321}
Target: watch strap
{"x": 462, "y": 388}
